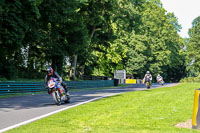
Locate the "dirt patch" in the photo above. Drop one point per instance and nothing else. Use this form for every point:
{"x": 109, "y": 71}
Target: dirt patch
{"x": 187, "y": 124}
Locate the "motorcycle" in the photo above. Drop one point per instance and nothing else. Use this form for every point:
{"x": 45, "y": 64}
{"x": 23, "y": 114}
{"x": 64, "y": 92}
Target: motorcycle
{"x": 57, "y": 91}
{"x": 160, "y": 81}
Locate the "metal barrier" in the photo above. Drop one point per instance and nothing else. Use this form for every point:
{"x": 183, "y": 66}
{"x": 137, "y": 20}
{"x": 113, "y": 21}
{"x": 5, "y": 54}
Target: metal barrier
{"x": 14, "y": 87}
{"x": 20, "y": 87}
{"x": 89, "y": 84}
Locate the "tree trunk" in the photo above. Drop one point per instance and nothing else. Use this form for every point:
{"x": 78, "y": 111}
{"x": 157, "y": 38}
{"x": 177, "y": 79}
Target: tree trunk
{"x": 91, "y": 36}
{"x": 30, "y": 62}
{"x": 82, "y": 71}
{"x": 57, "y": 64}
{"x": 73, "y": 67}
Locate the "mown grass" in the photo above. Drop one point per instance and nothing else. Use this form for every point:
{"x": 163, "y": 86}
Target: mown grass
{"x": 149, "y": 111}
{"x": 22, "y": 94}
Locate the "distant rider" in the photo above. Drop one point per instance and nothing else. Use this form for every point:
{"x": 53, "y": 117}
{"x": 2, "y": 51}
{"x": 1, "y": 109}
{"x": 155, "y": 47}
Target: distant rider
{"x": 52, "y": 74}
{"x": 147, "y": 76}
{"x": 159, "y": 77}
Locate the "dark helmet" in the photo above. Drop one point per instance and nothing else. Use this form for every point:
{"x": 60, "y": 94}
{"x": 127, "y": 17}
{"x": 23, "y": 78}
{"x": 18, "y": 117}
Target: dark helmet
{"x": 148, "y": 72}
{"x": 49, "y": 71}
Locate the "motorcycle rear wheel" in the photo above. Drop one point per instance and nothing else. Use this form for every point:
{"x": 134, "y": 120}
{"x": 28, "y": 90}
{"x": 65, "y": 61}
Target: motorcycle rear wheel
{"x": 67, "y": 98}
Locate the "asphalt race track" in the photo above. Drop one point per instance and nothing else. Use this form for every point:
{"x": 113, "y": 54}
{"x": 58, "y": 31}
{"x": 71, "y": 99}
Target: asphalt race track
{"x": 20, "y": 110}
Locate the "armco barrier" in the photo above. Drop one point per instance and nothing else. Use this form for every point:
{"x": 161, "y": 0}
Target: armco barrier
{"x": 14, "y": 87}
{"x": 89, "y": 84}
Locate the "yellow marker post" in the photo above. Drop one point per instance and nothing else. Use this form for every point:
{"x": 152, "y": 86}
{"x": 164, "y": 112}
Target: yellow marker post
{"x": 196, "y": 111}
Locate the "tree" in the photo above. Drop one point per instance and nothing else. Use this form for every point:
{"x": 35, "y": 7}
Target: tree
{"x": 63, "y": 29}
{"x": 192, "y": 48}
{"x": 97, "y": 17}
{"x": 16, "y": 17}
{"x": 156, "y": 46}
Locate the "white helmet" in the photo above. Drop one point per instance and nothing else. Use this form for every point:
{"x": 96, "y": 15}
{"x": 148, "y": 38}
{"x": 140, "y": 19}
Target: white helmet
{"x": 148, "y": 72}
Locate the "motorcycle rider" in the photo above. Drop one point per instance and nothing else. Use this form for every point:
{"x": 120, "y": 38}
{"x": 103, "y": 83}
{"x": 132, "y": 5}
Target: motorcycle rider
{"x": 159, "y": 78}
{"x": 147, "y": 75}
{"x": 52, "y": 74}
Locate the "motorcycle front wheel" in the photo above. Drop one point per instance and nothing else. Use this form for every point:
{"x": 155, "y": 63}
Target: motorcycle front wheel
{"x": 56, "y": 98}
{"x": 163, "y": 82}
{"x": 148, "y": 85}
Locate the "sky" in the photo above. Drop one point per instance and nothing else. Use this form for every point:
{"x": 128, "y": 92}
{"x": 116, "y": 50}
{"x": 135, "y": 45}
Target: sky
{"x": 185, "y": 10}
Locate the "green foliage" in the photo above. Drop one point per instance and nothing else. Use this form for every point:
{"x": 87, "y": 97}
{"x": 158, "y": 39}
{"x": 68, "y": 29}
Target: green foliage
{"x": 190, "y": 79}
{"x": 193, "y": 49}
{"x": 14, "y": 25}
{"x": 137, "y": 54}
{"x": 102, "y": 52}
{"x": 156, "y": 47}
{"x": 105, "y": 35}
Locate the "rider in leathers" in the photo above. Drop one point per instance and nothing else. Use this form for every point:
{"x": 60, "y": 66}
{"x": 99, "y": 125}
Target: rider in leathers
{"x": 148, "y": 74}
{"x": 158, "y": 77}
{"x": 53, "y": 74}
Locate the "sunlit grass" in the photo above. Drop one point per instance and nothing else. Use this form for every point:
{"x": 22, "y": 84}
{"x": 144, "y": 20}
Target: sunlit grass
{"x": 149, "y": 111}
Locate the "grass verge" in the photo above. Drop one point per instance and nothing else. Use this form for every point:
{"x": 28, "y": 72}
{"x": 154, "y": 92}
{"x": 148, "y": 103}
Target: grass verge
{"x": 149, "y": 111}
{"x": 22, "y": 94}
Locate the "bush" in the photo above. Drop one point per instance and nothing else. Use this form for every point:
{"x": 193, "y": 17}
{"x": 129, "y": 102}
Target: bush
{"x": 190, "y": 79}
{"x": 3, "y": 79}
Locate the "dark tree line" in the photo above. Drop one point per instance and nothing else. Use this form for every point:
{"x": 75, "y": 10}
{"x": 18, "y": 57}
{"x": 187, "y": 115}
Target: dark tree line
{"x": 92, "y": 37}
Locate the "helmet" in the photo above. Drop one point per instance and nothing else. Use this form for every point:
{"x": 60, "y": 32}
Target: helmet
{"x": 49, "y": 71}
{"x": 158, "y": 74}
{"x": 148, "y": 72}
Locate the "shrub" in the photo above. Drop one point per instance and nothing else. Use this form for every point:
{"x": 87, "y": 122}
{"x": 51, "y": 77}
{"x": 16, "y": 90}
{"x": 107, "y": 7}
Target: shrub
{"x": 190, "y": 79}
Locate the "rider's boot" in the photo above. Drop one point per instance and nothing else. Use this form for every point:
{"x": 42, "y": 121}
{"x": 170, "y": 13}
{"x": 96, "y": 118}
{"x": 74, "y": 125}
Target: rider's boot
{"x": 66, "y": 90}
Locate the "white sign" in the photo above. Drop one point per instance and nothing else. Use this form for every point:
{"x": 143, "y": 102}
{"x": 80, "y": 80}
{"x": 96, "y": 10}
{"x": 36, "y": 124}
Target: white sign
{"x": 120, "y": 74}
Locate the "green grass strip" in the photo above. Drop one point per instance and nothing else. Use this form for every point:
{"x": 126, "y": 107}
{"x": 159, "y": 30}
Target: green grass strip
{"x": 149, "y": 111}
{"x": 22, "y": 94}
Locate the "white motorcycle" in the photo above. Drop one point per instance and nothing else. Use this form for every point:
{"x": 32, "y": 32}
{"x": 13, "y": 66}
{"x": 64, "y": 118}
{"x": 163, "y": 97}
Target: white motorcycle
{"x": 57, "y": 91}
{"x": 160, "y": 81}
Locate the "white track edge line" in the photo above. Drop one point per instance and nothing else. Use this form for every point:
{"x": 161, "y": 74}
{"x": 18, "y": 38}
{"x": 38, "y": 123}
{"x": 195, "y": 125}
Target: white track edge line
{"x": 51, "y": 113}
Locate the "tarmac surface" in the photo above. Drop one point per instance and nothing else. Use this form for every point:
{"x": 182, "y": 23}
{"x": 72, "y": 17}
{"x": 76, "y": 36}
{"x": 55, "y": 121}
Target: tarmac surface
{"x": 20, "y": 110}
